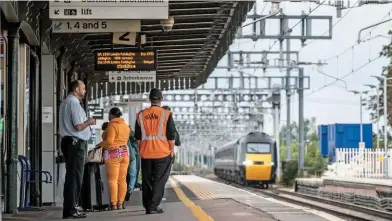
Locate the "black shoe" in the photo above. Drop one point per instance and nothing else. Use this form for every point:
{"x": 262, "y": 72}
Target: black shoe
{"x": 154, "y": 211}
{"x": 76, "y": 215}
{"x": 120, "y": 206}
{"x": 128, "y": 195}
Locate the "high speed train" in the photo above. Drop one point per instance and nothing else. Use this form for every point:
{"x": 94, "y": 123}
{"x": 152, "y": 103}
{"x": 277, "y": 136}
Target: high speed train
{"x": 250, "y": 160}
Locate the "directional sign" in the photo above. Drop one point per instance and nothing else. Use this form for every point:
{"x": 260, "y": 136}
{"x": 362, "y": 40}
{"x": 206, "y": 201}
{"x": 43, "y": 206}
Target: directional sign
{"x": 124, "y": 38}
{"x": 125, "y": 60}
{"x": 92, "y": 26}
{"x": 132, "y": 76}
{"x": 97, "y": 114}
{"x": 93, "y": 106}
{"x": 146, "y": 9}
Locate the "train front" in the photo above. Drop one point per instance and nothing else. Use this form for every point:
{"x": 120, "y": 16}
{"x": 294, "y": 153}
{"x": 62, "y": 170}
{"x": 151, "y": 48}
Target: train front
{"x": 259, "y": 162}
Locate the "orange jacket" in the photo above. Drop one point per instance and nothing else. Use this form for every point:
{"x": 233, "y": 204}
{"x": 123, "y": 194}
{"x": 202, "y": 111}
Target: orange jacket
{"x": 117, "y": 134}
{"x": 154, "y": 145}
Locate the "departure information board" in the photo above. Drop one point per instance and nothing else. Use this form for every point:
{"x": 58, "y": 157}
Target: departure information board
{"x": 126, "y": 60}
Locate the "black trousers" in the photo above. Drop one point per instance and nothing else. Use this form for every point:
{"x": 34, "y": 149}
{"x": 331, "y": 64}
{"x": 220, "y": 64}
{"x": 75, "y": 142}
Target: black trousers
{"x": 155, "y": 173}
{"x": 137, "y": 168}
{"x": 74, "y": 151}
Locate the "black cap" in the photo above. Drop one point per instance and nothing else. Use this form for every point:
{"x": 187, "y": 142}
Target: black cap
{"x": 155, "y": 94}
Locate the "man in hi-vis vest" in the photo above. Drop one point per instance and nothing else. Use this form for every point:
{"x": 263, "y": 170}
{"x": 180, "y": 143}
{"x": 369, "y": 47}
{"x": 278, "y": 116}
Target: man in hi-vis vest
{"x": 155, "y": 132}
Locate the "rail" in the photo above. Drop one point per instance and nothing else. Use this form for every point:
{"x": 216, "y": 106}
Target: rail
{"x": 343, "y": 210}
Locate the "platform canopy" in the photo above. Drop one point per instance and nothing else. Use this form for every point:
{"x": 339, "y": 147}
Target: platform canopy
{"x": 186, "y": 55}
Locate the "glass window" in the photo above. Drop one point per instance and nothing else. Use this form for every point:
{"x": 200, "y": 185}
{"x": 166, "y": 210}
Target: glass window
{"x": 258, "y": 148}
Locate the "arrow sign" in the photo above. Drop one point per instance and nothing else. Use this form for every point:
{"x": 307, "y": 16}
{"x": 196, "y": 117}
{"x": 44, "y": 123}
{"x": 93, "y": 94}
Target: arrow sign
{"x": 57, "y": 25}
{"x": 57, "y": 12}
{"x": 127, "y": 38}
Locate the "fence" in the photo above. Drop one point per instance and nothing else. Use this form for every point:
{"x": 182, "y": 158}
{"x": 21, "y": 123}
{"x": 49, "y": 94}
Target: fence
{"x": 363, "y": 163}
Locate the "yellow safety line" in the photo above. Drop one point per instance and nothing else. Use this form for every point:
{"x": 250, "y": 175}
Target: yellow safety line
{"x": 196, "y": 210}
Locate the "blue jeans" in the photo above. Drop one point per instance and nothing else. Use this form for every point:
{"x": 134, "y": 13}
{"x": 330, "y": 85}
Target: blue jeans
{"x": 131, "y": 178}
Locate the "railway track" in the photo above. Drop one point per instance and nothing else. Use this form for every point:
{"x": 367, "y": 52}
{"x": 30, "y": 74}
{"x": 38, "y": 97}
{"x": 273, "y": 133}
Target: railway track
{"x": 345, "y": 211}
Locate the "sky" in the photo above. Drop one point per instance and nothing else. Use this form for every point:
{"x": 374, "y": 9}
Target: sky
{"x": 343, "y": 55}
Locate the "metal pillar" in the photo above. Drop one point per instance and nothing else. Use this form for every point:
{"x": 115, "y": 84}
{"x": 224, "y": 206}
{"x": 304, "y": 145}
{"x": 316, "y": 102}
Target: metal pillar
{"x": 378, "y": 118}
{"x": 360, "y": 118}
{"x": 385, "y": 114}
{"x": 284, "y": 29}
{"x": 12, "y": 118}
{"x": 276, "y": 107}
{"x": 276, "y": 131}
{"x": 34, "y": 128}
{"x": 39, "y": 132}
{"x": 301, "y": 135}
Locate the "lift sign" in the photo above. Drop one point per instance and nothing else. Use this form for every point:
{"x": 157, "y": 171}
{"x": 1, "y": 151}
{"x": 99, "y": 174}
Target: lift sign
{"x": 125, "y": 60}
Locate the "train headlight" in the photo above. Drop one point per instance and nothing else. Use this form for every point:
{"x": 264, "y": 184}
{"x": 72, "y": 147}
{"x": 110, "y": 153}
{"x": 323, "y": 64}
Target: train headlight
{"x": 248, "y": 163}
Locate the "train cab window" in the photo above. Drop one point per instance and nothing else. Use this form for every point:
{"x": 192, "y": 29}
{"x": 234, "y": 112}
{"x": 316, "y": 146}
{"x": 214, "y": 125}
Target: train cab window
{"x": 258, "y": 148}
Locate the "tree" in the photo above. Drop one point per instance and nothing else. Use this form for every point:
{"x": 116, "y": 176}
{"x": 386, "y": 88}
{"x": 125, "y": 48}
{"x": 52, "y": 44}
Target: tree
{"x": 313, "y": 160}
{"x": 309, "y": 128}
{"x": 387, "y": 71}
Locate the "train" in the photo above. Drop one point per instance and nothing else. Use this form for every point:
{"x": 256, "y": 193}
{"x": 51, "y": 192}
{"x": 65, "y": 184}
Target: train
{"x": 250, "y": 160}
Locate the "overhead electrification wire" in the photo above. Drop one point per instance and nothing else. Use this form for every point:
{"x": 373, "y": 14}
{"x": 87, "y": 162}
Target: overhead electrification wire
{"x": 290, "y": 29}
{"x": 351, "y": 47}
{"x": 344, "y": 76}
{"x": 338, "y": 79}
{"x": 336, "y": 23}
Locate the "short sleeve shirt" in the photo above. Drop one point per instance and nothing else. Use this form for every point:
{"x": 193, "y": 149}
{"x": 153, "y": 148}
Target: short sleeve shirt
{"x": 72, "y": 114}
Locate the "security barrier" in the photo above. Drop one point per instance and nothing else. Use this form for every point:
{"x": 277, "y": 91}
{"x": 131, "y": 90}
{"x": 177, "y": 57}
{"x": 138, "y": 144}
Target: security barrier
{"x": 363, "y": 163}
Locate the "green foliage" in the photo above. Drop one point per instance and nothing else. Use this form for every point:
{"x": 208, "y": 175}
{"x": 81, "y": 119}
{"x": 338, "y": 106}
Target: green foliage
{"x": 290, "y": 172}
{"x": 375, "y": 105}
{"x": 315, "y": 165}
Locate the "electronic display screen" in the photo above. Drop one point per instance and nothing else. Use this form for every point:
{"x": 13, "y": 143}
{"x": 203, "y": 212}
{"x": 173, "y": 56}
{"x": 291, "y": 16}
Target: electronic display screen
{"x": 125, "y": 60}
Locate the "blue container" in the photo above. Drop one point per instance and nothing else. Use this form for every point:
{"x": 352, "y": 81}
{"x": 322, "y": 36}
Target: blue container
{"x": 348, "y": 136}
{"x": 322, "y": 133}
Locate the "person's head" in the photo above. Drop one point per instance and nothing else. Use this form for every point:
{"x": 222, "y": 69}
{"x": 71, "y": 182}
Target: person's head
{"x": 166, "y": 108}
{"x": 155, "y": 96}
{"x": 114, "y": 113}
{"x": 105, "y": 125}
{"x": 78, "y": 89}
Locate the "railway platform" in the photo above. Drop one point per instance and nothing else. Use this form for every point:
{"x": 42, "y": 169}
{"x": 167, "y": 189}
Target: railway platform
{"x": 192, "y": 198}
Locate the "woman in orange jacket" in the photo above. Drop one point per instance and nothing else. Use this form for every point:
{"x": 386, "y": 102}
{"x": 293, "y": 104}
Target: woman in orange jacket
{"x": 116, "y": 155}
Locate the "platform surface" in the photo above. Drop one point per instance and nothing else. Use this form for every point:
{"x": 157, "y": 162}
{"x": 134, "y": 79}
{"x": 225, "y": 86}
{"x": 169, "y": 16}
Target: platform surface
{"x": 206, "y": 189}
{"x": 192, "y": 198}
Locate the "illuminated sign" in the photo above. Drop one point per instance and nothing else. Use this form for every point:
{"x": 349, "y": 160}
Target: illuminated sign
{"x": 126, "y": 60}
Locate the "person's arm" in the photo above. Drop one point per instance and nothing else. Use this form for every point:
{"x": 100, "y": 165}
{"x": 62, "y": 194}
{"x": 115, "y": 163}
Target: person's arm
{"x": 77, "y": 116}
{"x": 138, "y": 132}
{"x": 178, "y": 141}
{"x": 171, "y": 131}
{"x": 103, "y": 136}
{"x": 110, "y": 135}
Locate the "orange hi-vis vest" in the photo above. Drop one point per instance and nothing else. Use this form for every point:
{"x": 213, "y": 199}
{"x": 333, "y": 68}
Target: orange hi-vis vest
{"x": 153, "y": 121}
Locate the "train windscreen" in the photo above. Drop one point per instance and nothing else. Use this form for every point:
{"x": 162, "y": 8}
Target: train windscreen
{"x": 258, "y": 148}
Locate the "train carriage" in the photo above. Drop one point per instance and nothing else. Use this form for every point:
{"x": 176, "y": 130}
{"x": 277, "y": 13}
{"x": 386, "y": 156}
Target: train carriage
{"x": 250, "y": 160}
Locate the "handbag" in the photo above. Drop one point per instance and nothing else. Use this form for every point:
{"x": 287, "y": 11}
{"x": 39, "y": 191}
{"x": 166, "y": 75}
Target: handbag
{"x": 95, "y": 156}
